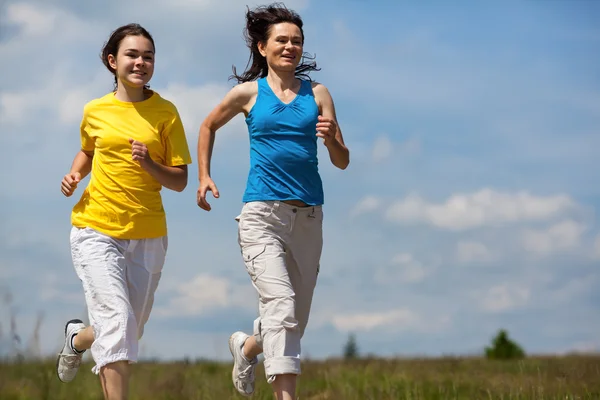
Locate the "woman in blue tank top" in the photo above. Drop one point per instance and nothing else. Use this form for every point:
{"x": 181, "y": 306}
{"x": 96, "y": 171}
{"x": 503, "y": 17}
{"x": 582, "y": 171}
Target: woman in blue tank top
{"x": 280, "y": 226}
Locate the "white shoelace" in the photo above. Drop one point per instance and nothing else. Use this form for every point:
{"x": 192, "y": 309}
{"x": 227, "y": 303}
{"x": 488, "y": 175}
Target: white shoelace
{"x": 247, "y": 373}
{"x": 71, "y": 360}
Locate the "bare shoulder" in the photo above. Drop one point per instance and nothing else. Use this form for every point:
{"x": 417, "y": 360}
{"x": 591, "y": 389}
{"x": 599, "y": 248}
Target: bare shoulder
{"x": 244, "y": 91}
{"x": 322, "y": 95}
{"x": 319, "y": 89}
{"x": 241, "y": 96}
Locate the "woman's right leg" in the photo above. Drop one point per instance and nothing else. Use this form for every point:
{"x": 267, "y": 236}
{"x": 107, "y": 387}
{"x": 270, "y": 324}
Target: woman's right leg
{"x": 264, "y": 227}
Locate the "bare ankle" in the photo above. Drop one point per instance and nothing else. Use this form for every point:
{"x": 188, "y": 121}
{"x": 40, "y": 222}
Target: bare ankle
{"x": 251, "y": 349}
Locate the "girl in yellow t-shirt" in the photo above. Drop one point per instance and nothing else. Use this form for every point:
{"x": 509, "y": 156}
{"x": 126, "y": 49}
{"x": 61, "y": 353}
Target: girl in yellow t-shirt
{"x": 133, "y": 143}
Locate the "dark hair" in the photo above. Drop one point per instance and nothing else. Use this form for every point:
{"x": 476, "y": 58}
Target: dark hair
{"x": 114, "y": 42}
{"x": 258, "y": 28}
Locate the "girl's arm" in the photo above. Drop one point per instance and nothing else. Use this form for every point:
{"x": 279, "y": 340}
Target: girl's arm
{"x": 80, "y": 168}
{"x": 174, "y": 178}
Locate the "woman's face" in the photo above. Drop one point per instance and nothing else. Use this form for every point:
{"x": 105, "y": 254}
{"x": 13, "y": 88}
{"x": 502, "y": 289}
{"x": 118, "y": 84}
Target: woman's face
{"x": 283, "y": 49}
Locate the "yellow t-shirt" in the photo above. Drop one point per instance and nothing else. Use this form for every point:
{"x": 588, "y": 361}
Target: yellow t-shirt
{"x": 122, "y": 200}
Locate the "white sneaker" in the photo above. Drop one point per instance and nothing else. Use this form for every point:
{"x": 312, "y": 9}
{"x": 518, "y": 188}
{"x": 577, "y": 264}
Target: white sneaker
{"x": 69, "y": 360}
{"x": 243, "y": 369}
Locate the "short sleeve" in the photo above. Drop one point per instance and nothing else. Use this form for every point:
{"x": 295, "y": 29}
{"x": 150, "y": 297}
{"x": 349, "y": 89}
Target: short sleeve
{"x": 87, "y": 142}
{"x": 177, "y": 151}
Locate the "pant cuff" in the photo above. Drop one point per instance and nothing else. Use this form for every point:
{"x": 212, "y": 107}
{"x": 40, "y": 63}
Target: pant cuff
{"x": 122, "y": 356}
{"x": 257, "y": 333}
{"x": 282, "y": 365}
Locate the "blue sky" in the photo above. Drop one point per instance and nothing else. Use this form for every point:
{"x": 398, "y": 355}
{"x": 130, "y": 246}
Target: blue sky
{"x": 469, "y": 205}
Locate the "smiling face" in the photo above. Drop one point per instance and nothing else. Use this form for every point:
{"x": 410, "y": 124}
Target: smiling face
{"x": 134, "y": 62}
{"x": 283, "y": 49}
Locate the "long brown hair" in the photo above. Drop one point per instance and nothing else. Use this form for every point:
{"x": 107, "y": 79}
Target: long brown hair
{"x": 258, "y": 28}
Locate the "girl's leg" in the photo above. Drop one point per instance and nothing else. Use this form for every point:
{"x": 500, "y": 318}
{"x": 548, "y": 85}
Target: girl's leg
{"x": 145, "y": 260}
{"x": 115, "y": 380}
{"x": 284, "y": 387}
{"x": 84, "y": 339}
{"x": 100, "y": 264}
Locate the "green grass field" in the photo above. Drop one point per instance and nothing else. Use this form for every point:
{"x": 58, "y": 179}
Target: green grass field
{"x": 572, "y": 377}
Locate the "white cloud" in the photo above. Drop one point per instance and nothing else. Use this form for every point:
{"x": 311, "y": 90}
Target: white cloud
{"x": 51, "y": 288}
{"x": 42, "y": 29}
{"x": 366, "y": 205}
{"x": 368, "y": 321}
{"x": 70, "y": 106}
{"x": 472, "y": 252}
{"x": 62, "y": 86}
{"x": 382, "y": 149}
{"x": 503, "y": 298}
{"x": 194, "y": 103}
{"x": 32, "y": 20}
{"x": 204, "y": 294}
{"x": 562, "y": 236}
{"x": 16, "y": 107}
{"x": 401, "y": 319}
{"x": 485, "y": 207}
{"x": 403, "y": 269}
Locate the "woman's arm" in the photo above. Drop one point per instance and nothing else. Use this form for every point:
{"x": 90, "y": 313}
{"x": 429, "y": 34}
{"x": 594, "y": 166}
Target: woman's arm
{"x": 236, "y": 101}
{"x": 329, "y": 130}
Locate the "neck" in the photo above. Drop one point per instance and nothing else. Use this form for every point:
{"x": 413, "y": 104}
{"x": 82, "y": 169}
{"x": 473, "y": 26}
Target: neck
{"x": 282, "y": 80}
{"x": 129, "y": 94}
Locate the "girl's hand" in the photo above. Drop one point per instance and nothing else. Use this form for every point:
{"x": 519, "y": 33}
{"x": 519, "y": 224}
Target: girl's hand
{"x": 139, "y": 152}
{"x": 69, "y": 183}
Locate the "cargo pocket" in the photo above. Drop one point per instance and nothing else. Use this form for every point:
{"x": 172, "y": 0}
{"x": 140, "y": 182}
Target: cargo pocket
{"x": 254, "y": 266}
{"x": 154, "y": 254}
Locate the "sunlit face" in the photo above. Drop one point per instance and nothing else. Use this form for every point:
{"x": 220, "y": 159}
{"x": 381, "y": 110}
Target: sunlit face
{"x": 134, "y": 62}
{"x": 283, "y": 49}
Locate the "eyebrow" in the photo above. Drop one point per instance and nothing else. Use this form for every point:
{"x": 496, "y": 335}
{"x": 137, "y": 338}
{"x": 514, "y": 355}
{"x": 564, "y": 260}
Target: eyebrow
{"x": 136, "y": 51}
{"x": 286, "y": 36}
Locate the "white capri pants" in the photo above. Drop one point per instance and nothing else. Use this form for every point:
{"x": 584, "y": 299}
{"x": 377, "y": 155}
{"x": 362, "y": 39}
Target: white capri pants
{"x": 119, "y": 279}
{"x": 281, "y": 246}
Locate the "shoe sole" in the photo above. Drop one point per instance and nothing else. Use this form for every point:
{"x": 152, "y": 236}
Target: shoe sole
{"x": 73, "y": 321}
{"x": 233, "y": 355}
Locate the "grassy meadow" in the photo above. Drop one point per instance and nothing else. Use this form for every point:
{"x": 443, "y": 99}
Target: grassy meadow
{"x": 565, "y": 378}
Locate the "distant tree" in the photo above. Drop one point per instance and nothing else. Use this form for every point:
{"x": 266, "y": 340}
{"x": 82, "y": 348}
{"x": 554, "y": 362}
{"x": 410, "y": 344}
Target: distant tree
{"x": 503, "y": 348}
{"x": 351, "y": 348}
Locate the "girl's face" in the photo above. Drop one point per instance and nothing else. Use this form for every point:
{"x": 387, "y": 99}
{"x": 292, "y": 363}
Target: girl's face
{"x": 283, "y": 49}
{"x": 134, "y": 62}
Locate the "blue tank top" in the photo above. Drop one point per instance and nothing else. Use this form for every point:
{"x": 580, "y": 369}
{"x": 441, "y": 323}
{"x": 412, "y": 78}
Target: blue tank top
{"x": 283, "y": 147}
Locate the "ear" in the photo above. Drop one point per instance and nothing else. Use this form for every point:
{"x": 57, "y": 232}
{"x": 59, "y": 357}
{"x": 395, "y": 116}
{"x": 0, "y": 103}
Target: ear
{"x": 262, "y": 49}
{"x": 112, "y": 61}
